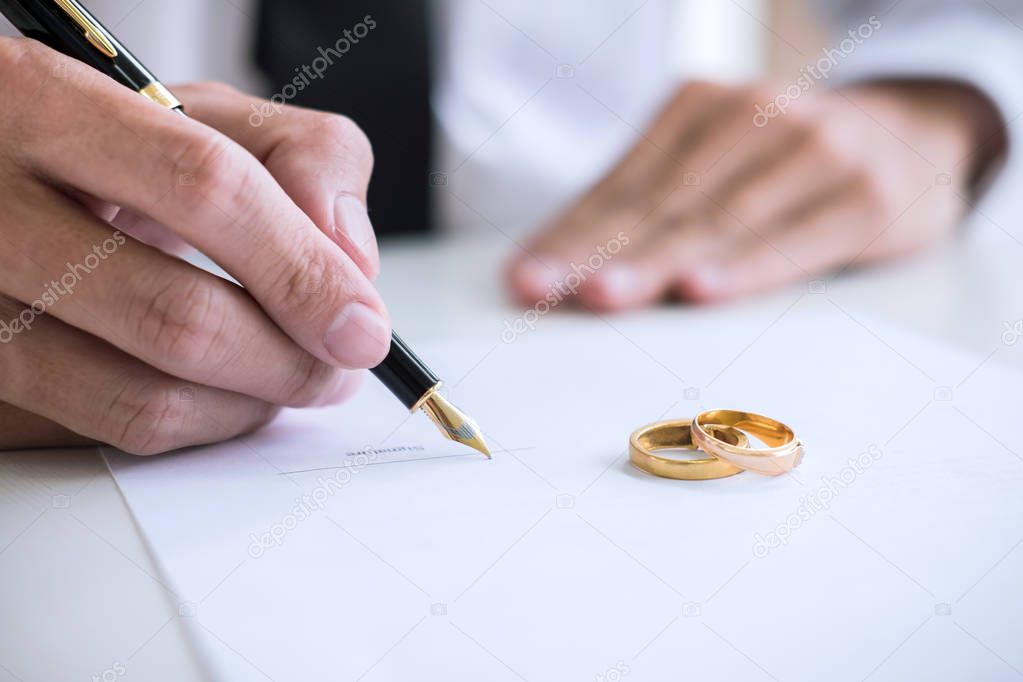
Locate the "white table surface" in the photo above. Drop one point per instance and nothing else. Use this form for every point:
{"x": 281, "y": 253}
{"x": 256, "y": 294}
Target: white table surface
{"x": 79, "y": 594}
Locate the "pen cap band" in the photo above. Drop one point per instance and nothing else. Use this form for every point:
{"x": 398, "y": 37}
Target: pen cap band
{"x": 157, "y": 92}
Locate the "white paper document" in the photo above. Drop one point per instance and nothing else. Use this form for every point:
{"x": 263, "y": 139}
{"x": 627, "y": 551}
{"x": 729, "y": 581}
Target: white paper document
{"x": 354, "y": 543}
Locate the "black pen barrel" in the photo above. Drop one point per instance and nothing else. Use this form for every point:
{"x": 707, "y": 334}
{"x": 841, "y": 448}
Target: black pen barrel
{"x": 63, "y": 29}
{"x": 404, "y": 374}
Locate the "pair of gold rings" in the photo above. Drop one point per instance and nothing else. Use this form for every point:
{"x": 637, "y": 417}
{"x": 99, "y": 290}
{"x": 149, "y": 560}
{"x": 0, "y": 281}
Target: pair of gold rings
{"x": 721, "y": 434}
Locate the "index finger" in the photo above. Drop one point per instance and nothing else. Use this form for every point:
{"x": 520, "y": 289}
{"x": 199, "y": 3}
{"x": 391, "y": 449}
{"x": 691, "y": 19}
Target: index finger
{"x": 321, "y": 160}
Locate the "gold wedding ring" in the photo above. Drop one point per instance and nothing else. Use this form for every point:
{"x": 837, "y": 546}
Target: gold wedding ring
{"x": 674, "y": 434}
{"x": 784, "y": 451}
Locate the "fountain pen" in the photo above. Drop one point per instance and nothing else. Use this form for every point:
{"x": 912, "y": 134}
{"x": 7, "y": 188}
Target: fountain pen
{"x": 68, "y": 27}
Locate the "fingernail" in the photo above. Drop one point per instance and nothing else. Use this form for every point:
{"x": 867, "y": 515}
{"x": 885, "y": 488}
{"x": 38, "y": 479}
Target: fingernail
{"x": 620, "y": 280}
{"x": 613, "y": 287}
{"x": 538, "y": 278}
{"x": 352, "y": 220}
{"x": 359, "y": 338}
{"x": 708, "y": 281}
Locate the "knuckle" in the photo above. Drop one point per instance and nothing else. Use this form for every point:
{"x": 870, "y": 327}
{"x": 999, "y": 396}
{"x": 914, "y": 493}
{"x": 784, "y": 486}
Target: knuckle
{"x": 801, "y": 127}
{"x": 800, "y": 116}
{"x": 183, "y": 323}
{"x": 204, "y": 154}
{"x": 338, "y": 127}
{"x": 306, "y": 383}
{"x": 145, "y": 419}
{"x": 311, "y": 281}
{"x": 266, "y": 415}
{"x": 841, "y": 161}
{"x": 832, "y": 150}
{"x": 818, "y": 136}
{"x": 212, "y": 173}
{"x": 20, "y": 54}
{"x": 14, "y": 52}
{"x": 876, "y": 198}
{"x": 20, "y": 63}
{"x": 344, "y": 133}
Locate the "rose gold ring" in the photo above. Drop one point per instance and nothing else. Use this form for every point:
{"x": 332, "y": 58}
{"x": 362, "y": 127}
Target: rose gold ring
{"x": 784, "y": 451}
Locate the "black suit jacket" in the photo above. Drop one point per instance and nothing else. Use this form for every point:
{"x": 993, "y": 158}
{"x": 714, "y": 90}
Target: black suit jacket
{"x": 368, "y": 60}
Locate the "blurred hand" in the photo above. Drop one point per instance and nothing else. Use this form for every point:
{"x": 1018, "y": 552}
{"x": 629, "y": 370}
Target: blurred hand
{"x": 104, "y": 338}
{"x": 717, "y": 200}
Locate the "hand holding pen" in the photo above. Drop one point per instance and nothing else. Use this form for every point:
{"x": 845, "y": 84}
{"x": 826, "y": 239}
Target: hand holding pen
{"x": 127, "y": 344}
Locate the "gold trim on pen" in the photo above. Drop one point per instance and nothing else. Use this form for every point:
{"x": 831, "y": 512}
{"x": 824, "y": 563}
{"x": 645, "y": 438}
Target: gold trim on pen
{"x": 454, "y": 424}
{"x": 94, "y": 33}
{"x": 426, "y": 396}
{"x": 158, "y": 92}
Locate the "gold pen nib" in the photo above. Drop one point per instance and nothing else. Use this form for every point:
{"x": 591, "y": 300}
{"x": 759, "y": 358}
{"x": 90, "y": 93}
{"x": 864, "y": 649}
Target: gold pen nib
{"x": 453, "y": 423}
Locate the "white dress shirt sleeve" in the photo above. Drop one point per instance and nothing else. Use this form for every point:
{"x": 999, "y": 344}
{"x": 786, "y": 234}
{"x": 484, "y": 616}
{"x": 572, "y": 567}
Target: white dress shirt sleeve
{"x": 978, "y": 44}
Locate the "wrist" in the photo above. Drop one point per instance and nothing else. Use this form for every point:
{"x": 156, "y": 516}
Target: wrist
{"x": 961, "y": 113}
